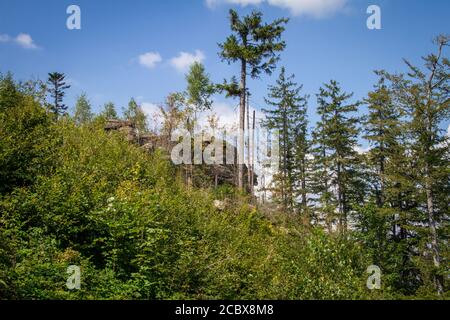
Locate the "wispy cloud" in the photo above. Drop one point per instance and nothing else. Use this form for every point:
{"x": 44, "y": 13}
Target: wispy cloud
{"x": 4, "y": 38}
{"x": 150, "y": 109}
{"x": 185, "y": 59}
{"x": 150, "y": 59}
{"x": 23, "y": 39}
{"x": 314, "y": 8}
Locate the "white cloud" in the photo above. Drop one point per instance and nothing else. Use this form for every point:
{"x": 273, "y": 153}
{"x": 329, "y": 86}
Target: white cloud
{"x": 227, "y": 114}
{"x": 185, "y": 59}
{"x": 362, "y": 150}
{"x": 150, "y": 59}
{"x": 314, "y": 8}
{"x": 25, "y": 41}
{"x": 150, "y": 109}
{"x": 4, "y": 38}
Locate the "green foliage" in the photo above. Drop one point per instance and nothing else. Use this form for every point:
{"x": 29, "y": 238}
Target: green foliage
{"x": 253, "y": 42}
{"x": 199, "y": 88}
{"x": 24, "y": 126}
{"x": 336, "y": 159}
{"x": 136, "y": 115}
{"x": 109, "y": 111}
{"x": 57, "y": 85}
{"x": 9, "y": 92}
{"x": 83, "y": 110}
{"x": 289, "y": 119}
{"x": 317, "y": 266}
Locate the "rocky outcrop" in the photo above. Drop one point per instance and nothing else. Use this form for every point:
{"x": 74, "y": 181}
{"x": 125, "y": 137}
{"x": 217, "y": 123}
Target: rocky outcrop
{"x": 219, "y": 173}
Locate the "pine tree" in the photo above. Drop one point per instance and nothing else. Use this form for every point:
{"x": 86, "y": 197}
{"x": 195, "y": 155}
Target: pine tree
{"x": 288, "y": 117}
{"x": 384, "y": 221}
{"x": 254, "y": 45}
{"x": 83, "y": 113}
{"x": 109, "y": 111}
{"x": 382, "y": 127}
{"x": 57, "y": 85}
{"x": 336, "y": 159}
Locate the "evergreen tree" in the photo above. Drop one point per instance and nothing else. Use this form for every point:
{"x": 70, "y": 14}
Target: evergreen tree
{"x": 382, "y": 128}
{"x": 384, "y": 222}
{"x": 255, "y": 46}
{"x": 425, "y": 95}
{"x": 336, "y": 159}
{"x": 288, "y": 117}
{"x": 83, "y": 113}
{"x": 57, "y": 85}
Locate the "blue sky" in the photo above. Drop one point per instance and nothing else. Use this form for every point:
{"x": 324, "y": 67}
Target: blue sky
{"x": 326, "y": 39}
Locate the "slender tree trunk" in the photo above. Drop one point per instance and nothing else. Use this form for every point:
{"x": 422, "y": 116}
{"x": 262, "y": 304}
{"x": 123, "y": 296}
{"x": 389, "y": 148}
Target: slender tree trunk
{"x": 340, "y": 197}
{"x": 249, "y": 166}
{"x": 285, "y": 156}
{"x": 241, "y": 148}
{"x": 252, "y": 164}
{"x": 339, "y": 194}
{"x": 428, "y": 182}
{"x": 433, "y": 232}
{"x": 56, "y": 99}
{"x": 303, "y": 183}
{"x": 190, "y": 167}
{"x": 428, "y": 167}
{"x": 382, "y": 172}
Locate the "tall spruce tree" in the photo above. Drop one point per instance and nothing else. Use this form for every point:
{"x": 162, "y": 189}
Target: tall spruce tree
{"x": 336, "y": 159}
{"x": 57, "y": 87}
{"x": 288, "y": 118}
{"x": 382, "y": 127}
{"x": 383, "y": 222}
{"x": 425, "y": 94}
{"x": 255, "y": 46}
